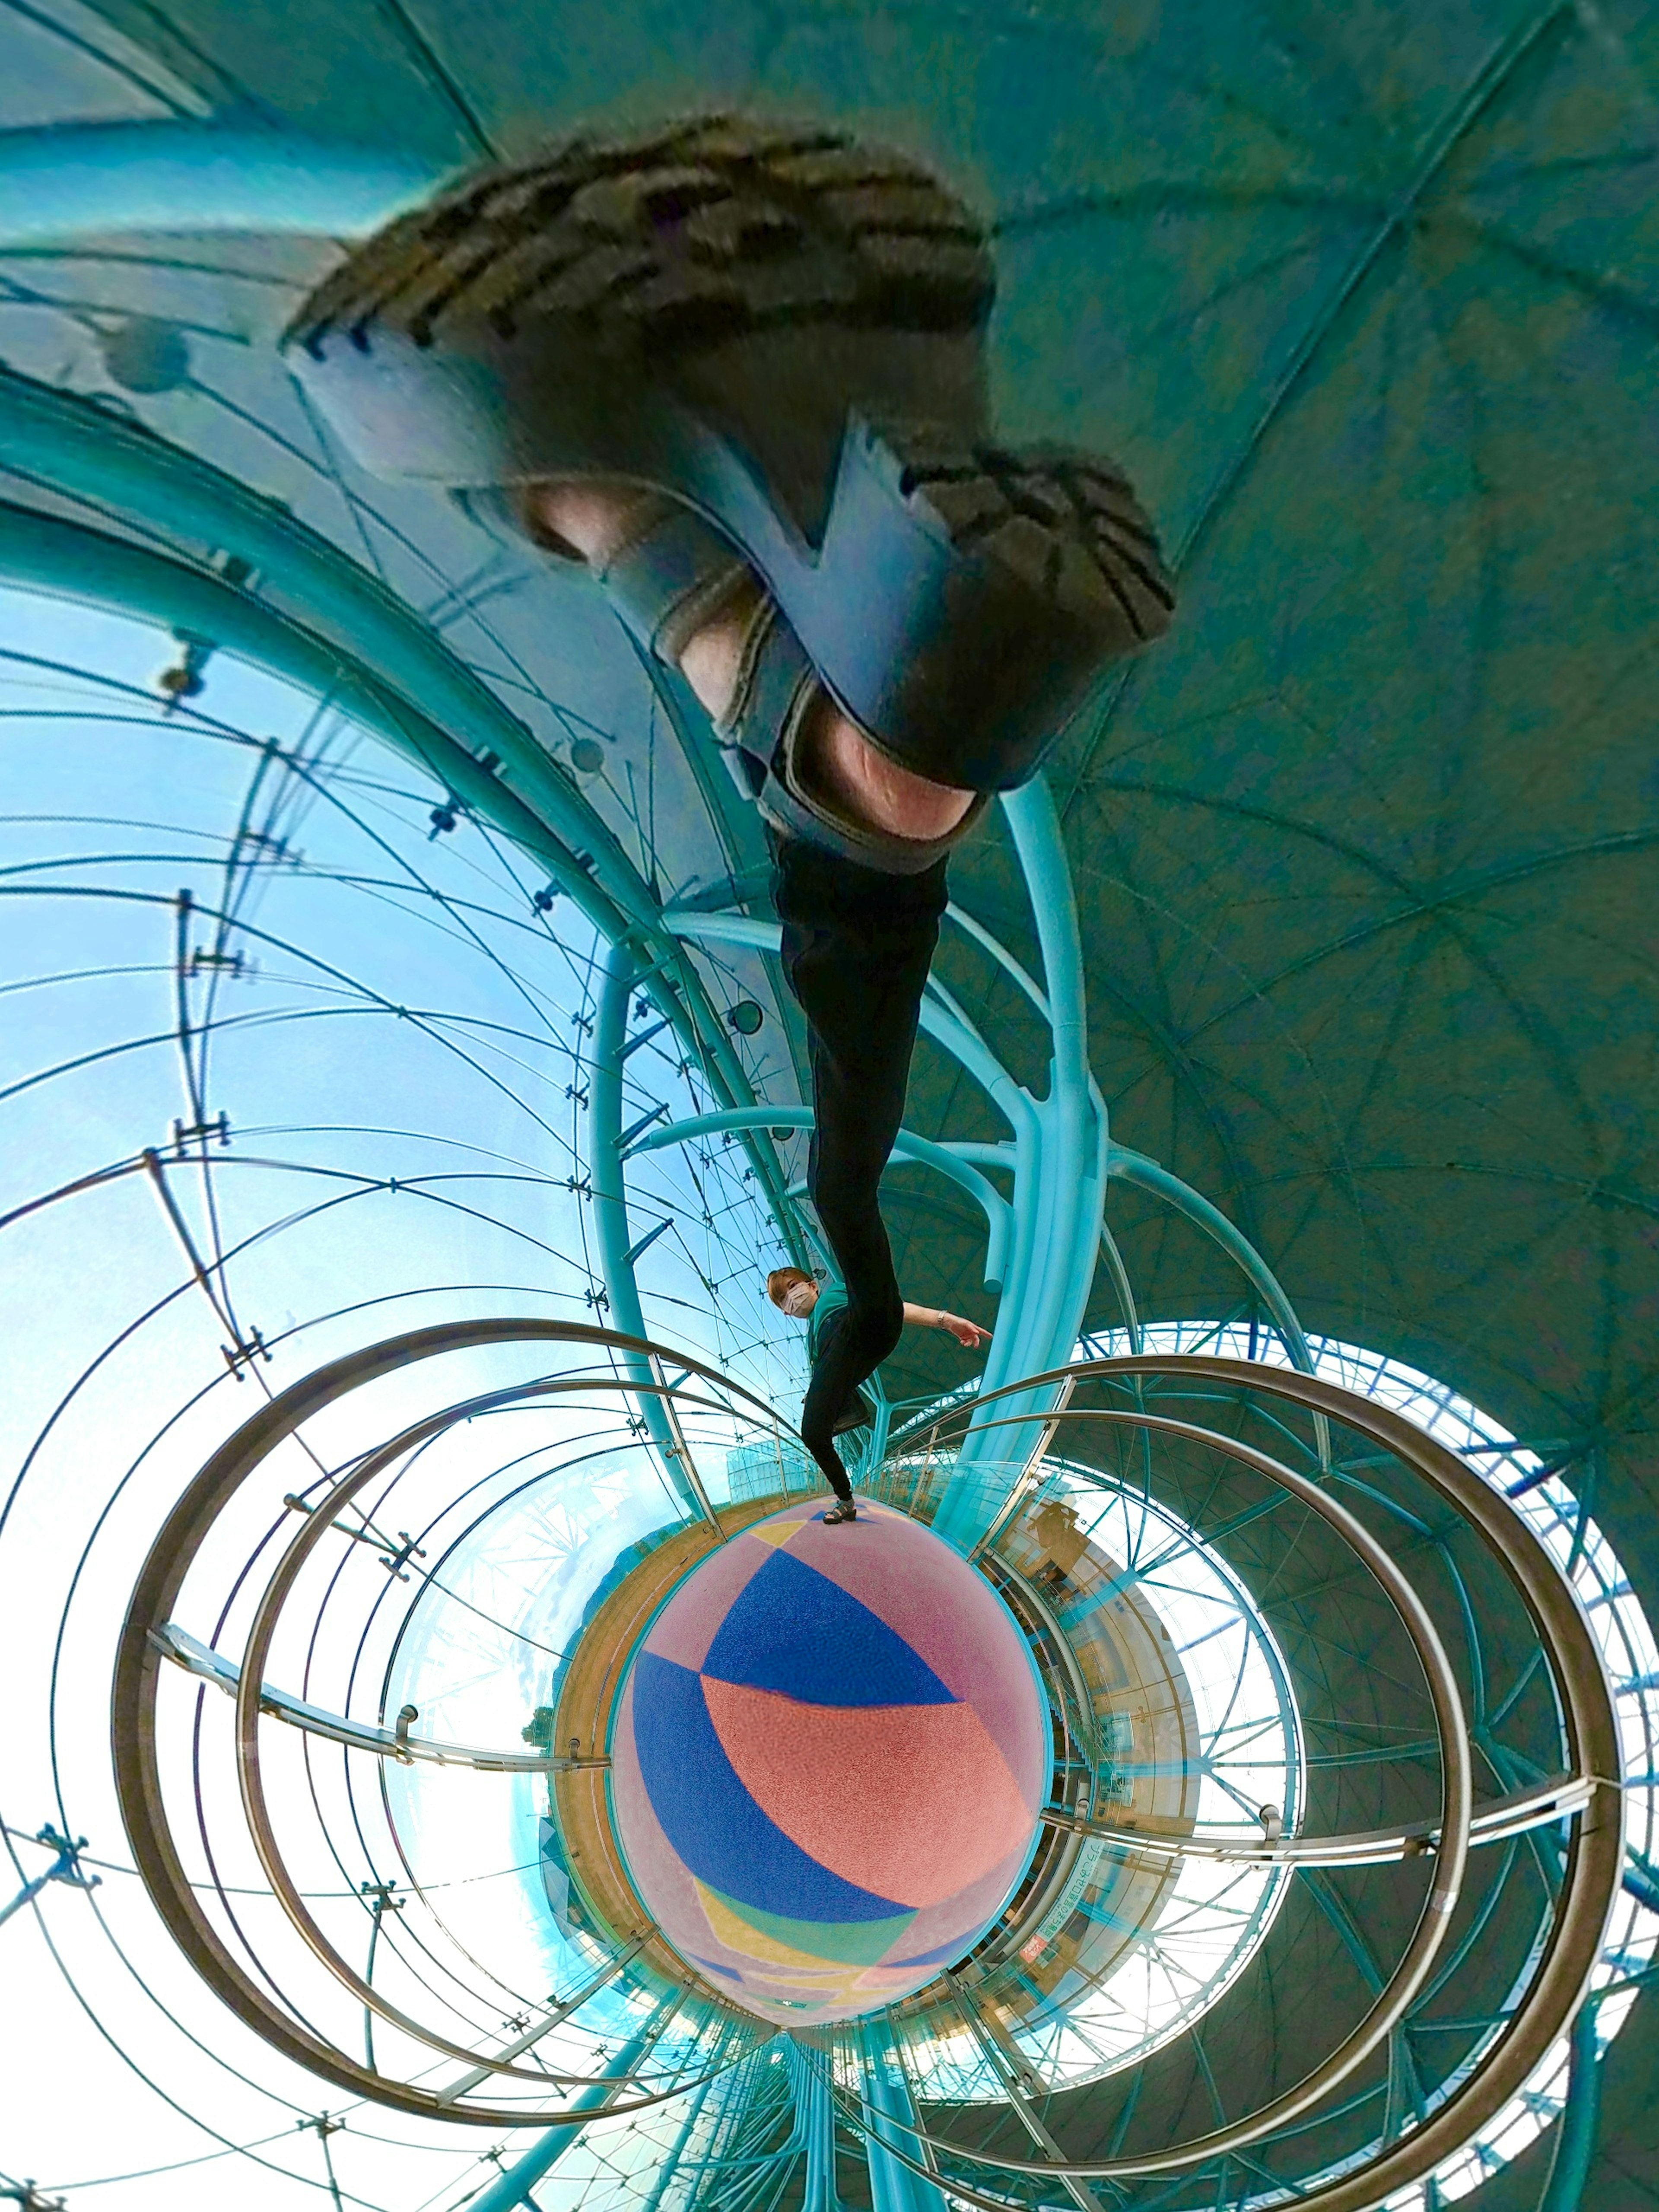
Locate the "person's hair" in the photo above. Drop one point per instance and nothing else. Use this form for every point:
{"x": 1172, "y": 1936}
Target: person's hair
{"x": 782, "y": 1280}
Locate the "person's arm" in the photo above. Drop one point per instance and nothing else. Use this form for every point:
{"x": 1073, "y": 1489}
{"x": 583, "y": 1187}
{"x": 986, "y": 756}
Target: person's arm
{"x": 968, "y": 1333}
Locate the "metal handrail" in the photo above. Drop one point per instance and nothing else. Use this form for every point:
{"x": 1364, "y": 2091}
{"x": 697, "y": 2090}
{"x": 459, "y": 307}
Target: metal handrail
{"x": 1495, "y": 1823}
{"x": 199, "y": 1659}
{"x": 1594, "y": 1860}
{"x": 139, "y": 1660}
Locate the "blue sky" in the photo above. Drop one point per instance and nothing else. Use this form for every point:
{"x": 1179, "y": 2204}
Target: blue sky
{"x": 344, "y": 910}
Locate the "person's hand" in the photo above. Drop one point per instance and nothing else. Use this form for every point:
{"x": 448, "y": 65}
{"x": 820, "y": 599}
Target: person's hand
{"x": 968, "y": 1333}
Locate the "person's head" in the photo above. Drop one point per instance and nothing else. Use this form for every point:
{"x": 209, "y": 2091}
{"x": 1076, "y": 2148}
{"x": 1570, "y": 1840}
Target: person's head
{"x": 792, "y": 1291}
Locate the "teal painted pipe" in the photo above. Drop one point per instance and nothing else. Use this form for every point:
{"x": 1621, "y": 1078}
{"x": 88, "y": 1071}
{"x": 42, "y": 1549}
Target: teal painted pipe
{"x": 1143, "y": 1174}
{"x": 1060, "y": 1191}
{"x": 723, "y": 928}
{"x": 1581, "y": 2117}
{"x": 671, "y": 2165}
{"x": 907, "y": 1145}
{"x": 982, "y": 1459}
{"x": 513, "y": 2185}
{"x": 69, "y": 180}
{"x": 1007, "y": 1449}
{"x": 875, "y": 1450}
{"x": 1134, "y": 1168}
{"x": 970, "y": 926}
{"x": 340, "y": 630}
{"x": 1122, "y": 1285}
{"x": 1072, "y": 1191}
{"x": 1028, "y": 1122}
{"x": 1015, "y": 1104}
{"x": 734, "y": 2123}
{"x": 815, "y": 2124}
{"x": 1035, "y": 824}
{"x": 893, "y": 2186}
{"x": 607, "y": 1176}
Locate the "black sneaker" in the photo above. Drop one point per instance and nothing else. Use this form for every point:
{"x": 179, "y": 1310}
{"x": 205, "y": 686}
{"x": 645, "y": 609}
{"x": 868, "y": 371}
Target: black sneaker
{"x": 843, "y": 1511}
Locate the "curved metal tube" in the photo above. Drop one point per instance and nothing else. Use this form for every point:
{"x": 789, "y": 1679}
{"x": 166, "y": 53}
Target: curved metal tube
{"x": 1494, "y": 1824}
{"x": 261, "y": 1632}
{"x": 512, "y": 2186}
{"x": 1059, "y": 1180}
{"x": 604, "y": 1166}
{"x": 1074, "y": 1184}
{"x": 1144, "y": 1174}
{"x": 1581, "y": 2117}
{"x": 66, "y": 180}
{"x": 971, "y": 928}
{"x": 138, "y": 1664}
{"x": 199, "y": 1659}
{"x": 1596, "y": 1855}
{"x": 1435, "y": 1919}
{"x": 907, "y": 1145}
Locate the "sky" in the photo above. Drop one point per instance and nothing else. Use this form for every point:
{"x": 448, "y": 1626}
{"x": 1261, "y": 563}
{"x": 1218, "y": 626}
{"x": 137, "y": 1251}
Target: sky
{"x": 114, "y": 1388}
{"x": 394, "y": 1036}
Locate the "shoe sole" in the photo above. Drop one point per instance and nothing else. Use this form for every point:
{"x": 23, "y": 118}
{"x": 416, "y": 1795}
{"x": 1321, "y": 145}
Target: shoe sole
{"x": 637, "y": 308}
{"x": 1065, "y": 521}
{"x": 673, "y": 242}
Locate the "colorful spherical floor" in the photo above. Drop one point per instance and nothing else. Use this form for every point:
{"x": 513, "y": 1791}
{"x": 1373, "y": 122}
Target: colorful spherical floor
{"x": 829, "y": 1756}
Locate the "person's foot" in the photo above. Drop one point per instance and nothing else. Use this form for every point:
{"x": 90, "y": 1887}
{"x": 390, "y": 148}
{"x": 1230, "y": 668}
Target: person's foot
{"x": 625, "y": 346}
{"x": 594, "y": 520}
{"x": 845, "y": 1511}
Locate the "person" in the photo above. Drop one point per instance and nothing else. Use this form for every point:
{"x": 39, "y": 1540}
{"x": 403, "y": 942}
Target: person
{"x": 734, "y": 371}
{"x": 798, "y": 1294}
{"x": 857, "y": 944}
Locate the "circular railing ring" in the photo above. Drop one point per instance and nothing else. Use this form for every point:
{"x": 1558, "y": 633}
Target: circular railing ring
{"x": 1434, "y": 1920}
{"x": 1594, "y": 1857}
{"x": 137, "y": 1673}
{"x": 1593, "y": 1865}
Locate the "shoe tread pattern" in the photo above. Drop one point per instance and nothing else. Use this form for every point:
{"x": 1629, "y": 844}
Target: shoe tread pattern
{"x": 1065, "y": 521}
{"x": 689, "y": 236}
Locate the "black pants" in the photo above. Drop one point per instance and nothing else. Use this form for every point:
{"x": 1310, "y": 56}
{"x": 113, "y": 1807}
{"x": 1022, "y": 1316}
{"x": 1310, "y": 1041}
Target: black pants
{"x": 856, "y": 950}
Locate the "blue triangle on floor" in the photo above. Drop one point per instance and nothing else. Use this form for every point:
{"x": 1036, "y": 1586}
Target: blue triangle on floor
{"x": 711, "y": 1821}
{"x": 791, "y": 1629}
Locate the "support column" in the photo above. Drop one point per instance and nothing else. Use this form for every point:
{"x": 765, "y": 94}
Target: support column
{"x": 1581, "y": 2117}
{"x": 616, "y": 1255}
{"x": 513, "y": 2185}
{"x": 1058, "y": 1199}
{"x": 816, "y": 2123}
{"x": 671, "y": 2165}
{"x": 1144, "y": 1174}
{"x": 893, "y": 2186}
{"x": 875, "y": 1450}
{"x": 605, "y": 1172}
